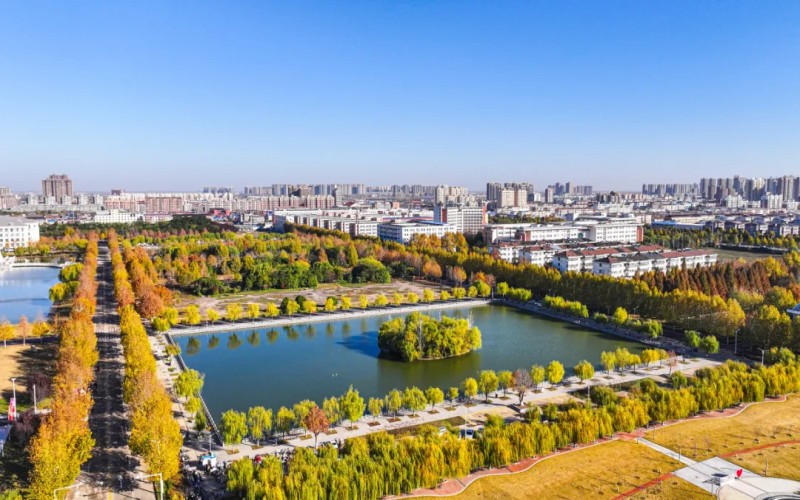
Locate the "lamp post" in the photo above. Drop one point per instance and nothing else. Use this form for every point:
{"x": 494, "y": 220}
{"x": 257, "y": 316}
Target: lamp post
{"x": 55, "y": 491}
{"x": 160, "y": 483}
{"x": 14, "y": 395}
{"x": 762, "y": 355}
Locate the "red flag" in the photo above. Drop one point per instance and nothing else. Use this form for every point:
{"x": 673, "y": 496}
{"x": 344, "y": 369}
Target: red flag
{"x": 739, "y": 473}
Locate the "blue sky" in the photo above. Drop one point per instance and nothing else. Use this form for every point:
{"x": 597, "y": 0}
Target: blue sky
{"x": 177, "y": 95}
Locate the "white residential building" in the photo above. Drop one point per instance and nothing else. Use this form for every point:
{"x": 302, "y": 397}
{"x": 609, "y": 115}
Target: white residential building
{"x": 628, "y": 265}
{"x": 402, "y": 232}
{"x": 115, "y": 217}
{"x": 468, "y": 220}
{"x": 617, "y": 232}
{"x": 17, "y": 232}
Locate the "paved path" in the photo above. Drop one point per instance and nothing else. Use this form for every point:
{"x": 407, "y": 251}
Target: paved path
{"x": 301, "y": 318}
{"x": 666, "y": 451}
{"x": 363, "y": 427}
{"x": 112, "y": 468}
{"x": 719, "y": 477}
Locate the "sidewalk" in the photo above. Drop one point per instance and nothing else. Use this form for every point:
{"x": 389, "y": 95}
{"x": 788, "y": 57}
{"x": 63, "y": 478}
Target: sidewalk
{"x": 302, "y": 318}
{"x": 363, "y": 427}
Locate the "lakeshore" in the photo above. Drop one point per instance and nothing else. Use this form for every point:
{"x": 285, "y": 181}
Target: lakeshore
{"x": 300, "y": 319}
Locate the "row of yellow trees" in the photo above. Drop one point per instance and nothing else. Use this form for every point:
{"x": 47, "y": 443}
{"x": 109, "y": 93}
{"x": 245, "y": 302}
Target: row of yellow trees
{"x": 64, "y": 442}
{"x": 380, "y": 464}
{"x": 155, "y": 435}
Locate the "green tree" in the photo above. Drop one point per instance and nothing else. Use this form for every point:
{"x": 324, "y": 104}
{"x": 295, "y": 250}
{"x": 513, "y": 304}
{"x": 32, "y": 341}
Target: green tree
{"x": 414, "y": 399}
{"x": 584, "y": 370}
{"x": 608, "y": 360}
{"x": 452, "y": 394}
{"x": 300, "y": 411}
{"x": 434, "y": 395}
{"x": 505, "y": 380}
{"x": 332, "y": 410}
{"x": 487, "y": 382}
{"x": 233, "y": 427}
{"x": 352, "y": 405}
{"x": 189, "y": 383}
{"x": 394, "y": 401}
{"x": 375, "y": 406}
{"x": 259, "y": 422}
{"x": 709, "y": 344}
{"x": 692, "y": 338}
{"x": 284, "y": 420}
{"x": 502, "y": 288}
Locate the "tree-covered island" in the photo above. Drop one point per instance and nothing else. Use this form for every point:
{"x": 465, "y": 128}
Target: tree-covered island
{"x": 422, "y": 337}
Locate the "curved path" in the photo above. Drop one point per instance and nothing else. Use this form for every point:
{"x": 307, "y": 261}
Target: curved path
{"x": 452, "y": 487}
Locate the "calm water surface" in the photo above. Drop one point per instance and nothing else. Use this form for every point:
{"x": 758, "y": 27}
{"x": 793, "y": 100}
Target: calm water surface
{"x": 24, "y": 292}
{"x": 281, "y": 366}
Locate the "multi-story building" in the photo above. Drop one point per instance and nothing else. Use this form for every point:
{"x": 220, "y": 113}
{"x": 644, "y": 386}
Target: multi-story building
{"x": 115, "y": 217}
{"x": 163, "y": 204}
{"x": 402, "y": 232}
{"x": 455, "y": 195}
{"x": 628, "y": 266}
{"x": 618, "y": 232}
{"x": 17, "y": 232}
{"x": 467, "y": 220}
{"x": 57, "y": 186}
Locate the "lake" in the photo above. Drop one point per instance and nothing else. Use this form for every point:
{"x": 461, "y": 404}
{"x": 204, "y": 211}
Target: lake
{"x": 25, "y": 292}
{"x": 283, "y": 365}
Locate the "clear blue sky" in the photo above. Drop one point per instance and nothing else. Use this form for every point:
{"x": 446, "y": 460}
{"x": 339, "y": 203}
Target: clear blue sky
{"x": 180, "y": 94}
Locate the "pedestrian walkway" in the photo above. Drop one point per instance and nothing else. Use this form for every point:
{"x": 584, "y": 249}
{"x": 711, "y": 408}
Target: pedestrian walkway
{"x": 112, "y": 469}
{"x": 725, "y": 479}
{"x": 666, "y": 451}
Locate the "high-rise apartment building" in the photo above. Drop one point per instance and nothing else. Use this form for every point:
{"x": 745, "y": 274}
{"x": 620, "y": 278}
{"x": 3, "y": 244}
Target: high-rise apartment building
{"x": 57, "y": 186}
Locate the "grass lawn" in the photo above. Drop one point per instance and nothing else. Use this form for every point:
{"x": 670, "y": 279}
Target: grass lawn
{"x": 602, "y": 471}
{"x": 19, "y": 361}
{"x": 672, "y": 488}
{"x": 734, "y": 255}
{"x": 781, "y": 461}
{"x": 757, "y": 425}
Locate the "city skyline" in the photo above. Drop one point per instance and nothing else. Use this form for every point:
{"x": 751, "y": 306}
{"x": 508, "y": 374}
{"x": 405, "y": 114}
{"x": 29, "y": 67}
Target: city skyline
{"x": 140, "y": 96}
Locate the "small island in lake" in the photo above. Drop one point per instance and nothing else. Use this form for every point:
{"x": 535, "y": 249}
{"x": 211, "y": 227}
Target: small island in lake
{"x": 422, "y": 337}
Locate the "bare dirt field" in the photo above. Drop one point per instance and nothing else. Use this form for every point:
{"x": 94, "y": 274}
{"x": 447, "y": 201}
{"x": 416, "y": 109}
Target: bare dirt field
{"x": 19, "y": 361}
{"x": 318, "y": 294}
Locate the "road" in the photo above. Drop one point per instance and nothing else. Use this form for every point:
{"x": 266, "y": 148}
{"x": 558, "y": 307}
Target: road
{"x": 112, "y": 466}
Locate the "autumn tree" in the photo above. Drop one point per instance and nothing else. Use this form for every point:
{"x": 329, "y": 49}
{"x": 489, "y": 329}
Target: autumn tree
{"x": 352, "y": 405}
{"x": 375, "y": 406}
{"x": 316, "y": 422}
{"x": 555, "y": 372}
{"x": 434, "y": 395}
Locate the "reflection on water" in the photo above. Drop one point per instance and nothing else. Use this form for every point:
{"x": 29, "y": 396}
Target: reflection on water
{"x": 296, "y": 363}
